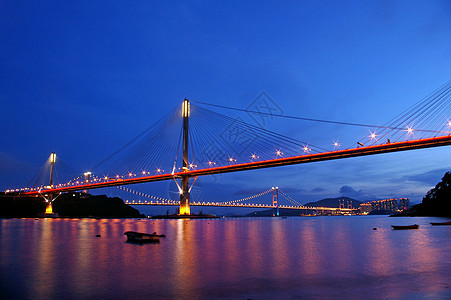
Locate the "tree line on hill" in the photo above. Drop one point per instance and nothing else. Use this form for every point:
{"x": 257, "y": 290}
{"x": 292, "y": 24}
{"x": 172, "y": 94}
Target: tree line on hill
{"x": 437, "y": 201}
{"x": 67, "y": 205}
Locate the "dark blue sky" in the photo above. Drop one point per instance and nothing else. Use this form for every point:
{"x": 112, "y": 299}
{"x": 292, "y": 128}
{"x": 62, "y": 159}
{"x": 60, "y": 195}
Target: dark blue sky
{"x": 84, "y": 78}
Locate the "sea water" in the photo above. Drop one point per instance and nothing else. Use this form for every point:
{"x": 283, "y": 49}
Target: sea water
{"x": 231, "y": 258}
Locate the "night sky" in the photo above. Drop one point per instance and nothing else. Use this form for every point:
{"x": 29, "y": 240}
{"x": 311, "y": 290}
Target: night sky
{"x": 84, "y": 78}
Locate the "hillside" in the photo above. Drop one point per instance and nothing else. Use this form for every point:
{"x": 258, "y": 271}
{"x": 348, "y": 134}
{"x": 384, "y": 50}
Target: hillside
{"x": 335, "y": 202}
{"x": 67, "y": 205}
{"x": 437, "y": 201}
{"x": 329, "y": 202}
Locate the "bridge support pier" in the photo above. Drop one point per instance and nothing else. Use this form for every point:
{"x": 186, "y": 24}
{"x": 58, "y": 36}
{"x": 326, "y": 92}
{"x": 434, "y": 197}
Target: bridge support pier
{"x": 49, "y": 208}
{"x": 184, "y": 196}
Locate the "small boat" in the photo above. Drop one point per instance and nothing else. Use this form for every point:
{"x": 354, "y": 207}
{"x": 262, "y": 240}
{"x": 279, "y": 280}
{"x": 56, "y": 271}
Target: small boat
{"x": 400, "y": 227}
{"x": 442, "y": 223}
{"x": 138, "y": 237}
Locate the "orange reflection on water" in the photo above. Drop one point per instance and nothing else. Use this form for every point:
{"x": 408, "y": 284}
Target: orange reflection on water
{"x": 380, "y": 257}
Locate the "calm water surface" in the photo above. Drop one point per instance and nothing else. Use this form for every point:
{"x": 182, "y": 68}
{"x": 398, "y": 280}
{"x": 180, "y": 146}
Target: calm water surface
{"x": 256, "y": 258}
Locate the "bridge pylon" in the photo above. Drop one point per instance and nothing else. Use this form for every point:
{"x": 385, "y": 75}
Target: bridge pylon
{"x": 275, "y": 200}
{"x": 49, "y": 208}
{"x": 184, "y": 193}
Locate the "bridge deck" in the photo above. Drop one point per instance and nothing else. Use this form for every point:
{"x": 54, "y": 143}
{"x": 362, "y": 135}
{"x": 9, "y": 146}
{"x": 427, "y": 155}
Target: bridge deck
{"x": 307, "y": 158}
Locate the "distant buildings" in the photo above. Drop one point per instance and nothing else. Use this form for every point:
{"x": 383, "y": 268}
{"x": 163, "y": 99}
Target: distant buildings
{"x": 386, "y": 205}
{"x": 403, "y": 204}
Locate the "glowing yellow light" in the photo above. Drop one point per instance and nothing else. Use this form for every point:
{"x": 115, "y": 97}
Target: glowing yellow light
{"x": 49, "y": 209}
{"x": 372, "y": 135}
{"x": 449, "y": 124}
{"x": 185, "y": 108}
{"x": 409, "y": 130}
{"x": 144, "y": 172}
{"x": 52, "y": 157}
{"x": 184, "y": 210}
{"x": 279, "y": 153}
{"x": 306, "y": 149}
{"x": 158, "y": 170}
{"x": 336, "y": 144}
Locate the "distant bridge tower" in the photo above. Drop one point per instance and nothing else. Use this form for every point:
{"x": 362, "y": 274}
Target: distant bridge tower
{"x": 275, "y": 200}
{"x": 87, "y": 179}
{"x": 52, "y": 166}
{"x": 184, "y": 189}
{"x": 49, "y": 208}
{"x": 341, "y": 203}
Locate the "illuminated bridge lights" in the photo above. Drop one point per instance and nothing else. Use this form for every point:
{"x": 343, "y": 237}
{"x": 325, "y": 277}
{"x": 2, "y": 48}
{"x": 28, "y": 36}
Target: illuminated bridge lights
{"x": 372, "y": 135}
{"x": 323, "y": 156}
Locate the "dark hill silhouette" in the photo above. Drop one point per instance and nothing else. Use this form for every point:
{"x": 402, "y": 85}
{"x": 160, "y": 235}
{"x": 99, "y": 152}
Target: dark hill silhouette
{"x": 329, "y": 202}
{"x": 335, "y": 202}
{"x": 67, "y": 205}
{"x": 437, "y": 201}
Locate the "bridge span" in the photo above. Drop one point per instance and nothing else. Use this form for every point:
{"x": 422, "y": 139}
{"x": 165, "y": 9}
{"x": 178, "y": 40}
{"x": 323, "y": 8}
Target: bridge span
{"x": 301, "y": 159}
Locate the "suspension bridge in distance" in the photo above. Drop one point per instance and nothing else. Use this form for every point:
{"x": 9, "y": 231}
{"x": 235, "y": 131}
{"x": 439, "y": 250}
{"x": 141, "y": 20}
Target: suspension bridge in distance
{"x": 243, "y": 203}
{"x": 197, "y": 137}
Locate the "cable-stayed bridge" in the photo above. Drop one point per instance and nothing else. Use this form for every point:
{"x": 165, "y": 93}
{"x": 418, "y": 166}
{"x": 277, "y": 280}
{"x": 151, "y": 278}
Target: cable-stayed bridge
{"x": 194, "y": 141}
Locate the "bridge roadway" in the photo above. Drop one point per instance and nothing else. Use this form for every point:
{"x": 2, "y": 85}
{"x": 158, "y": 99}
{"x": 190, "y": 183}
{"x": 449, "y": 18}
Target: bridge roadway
{"x": 221, "y": 204}
{"x": 301, "y": 159}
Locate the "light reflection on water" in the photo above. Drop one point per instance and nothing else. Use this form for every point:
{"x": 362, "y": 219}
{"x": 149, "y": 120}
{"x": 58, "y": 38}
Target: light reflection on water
{"x": 257, "y": 258}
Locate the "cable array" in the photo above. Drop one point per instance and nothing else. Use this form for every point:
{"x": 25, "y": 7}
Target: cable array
{"x": 247, "y": 198}
{"x": 430, "y": 117}
{"x": 214, "y": 140}
{"x": 217, "y": 140}
{"x": 290, "y": 199}
{"x": 141, "y": 194}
